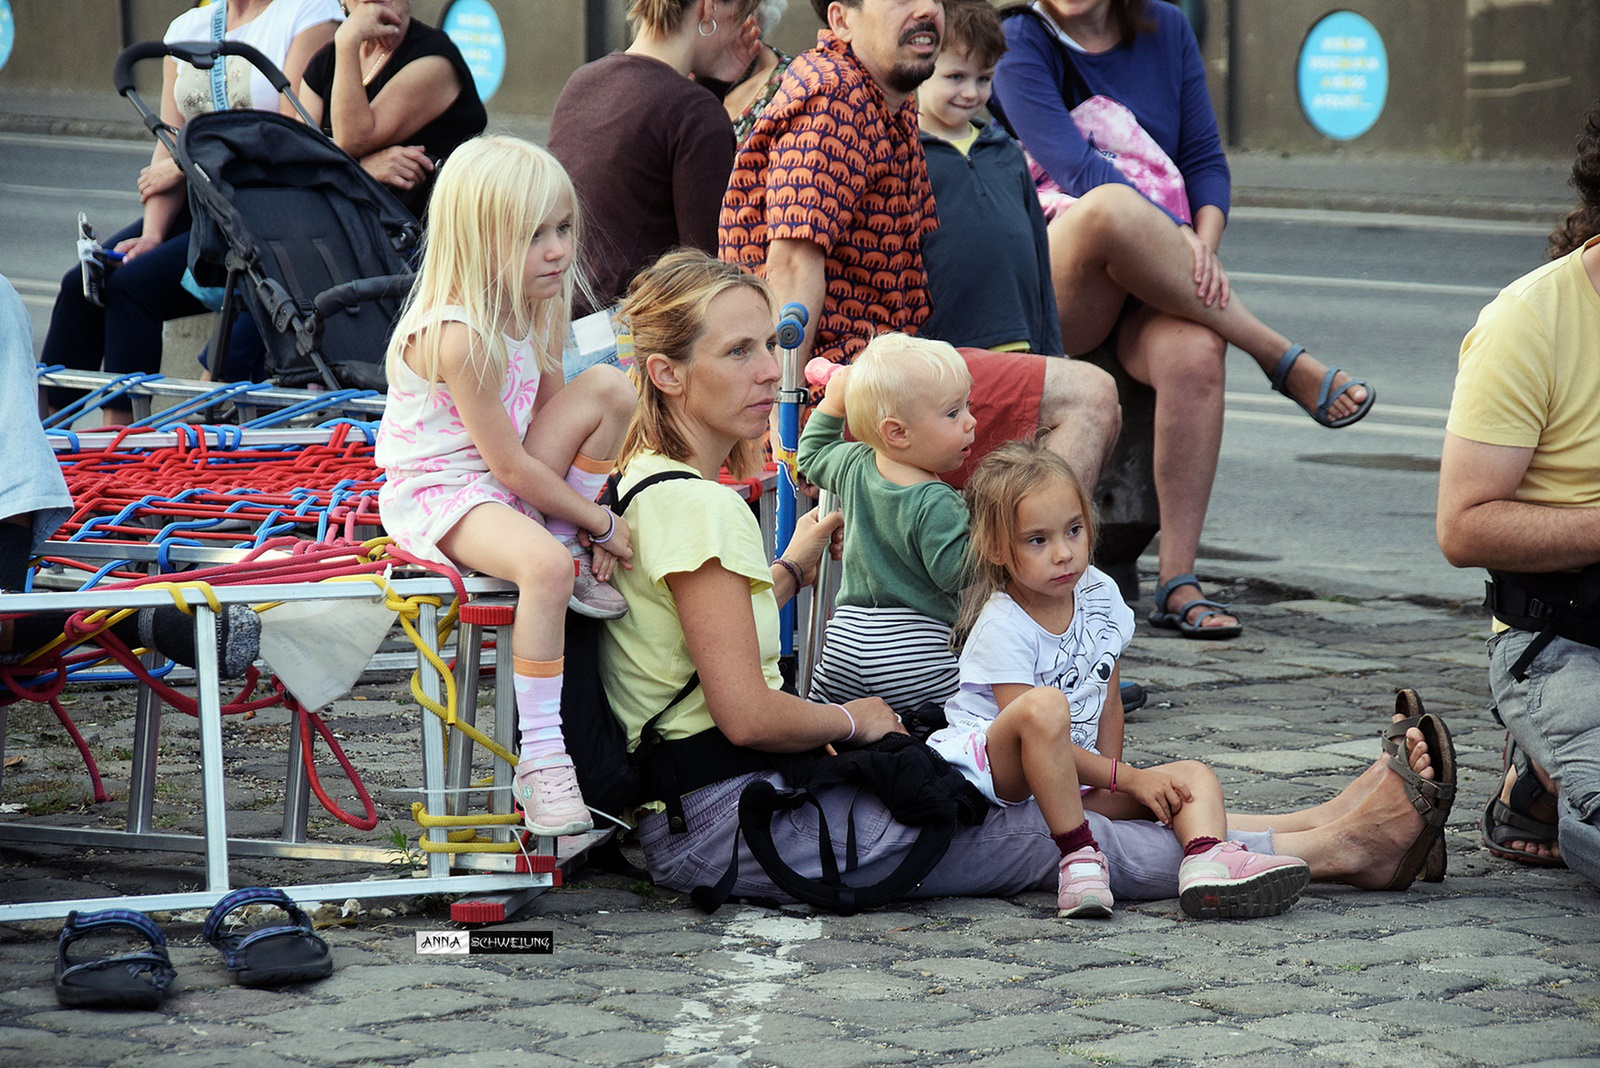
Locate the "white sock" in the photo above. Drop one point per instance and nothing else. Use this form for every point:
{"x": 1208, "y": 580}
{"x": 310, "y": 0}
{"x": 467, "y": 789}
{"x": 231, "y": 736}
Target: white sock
{"x": 539, "y": 711}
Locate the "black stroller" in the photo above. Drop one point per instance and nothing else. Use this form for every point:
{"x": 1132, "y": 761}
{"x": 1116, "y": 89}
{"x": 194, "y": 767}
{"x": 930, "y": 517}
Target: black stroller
{"x": 285, "y": 217}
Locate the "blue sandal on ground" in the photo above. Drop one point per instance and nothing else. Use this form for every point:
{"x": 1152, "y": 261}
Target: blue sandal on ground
{"x": 268, "y": 956}
{"x": 133, "y": 980}
{"x": 1327, "y": 396}
{"x": 1167, "y": 619}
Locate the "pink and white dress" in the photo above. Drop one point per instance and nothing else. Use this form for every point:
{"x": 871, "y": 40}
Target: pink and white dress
{"x": 434, "y": 472}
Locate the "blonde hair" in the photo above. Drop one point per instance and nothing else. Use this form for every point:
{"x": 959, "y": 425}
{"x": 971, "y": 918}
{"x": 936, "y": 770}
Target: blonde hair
{"x": 997, "y": 485}
{"x": 490, "y": 197}
{"x": 891, "y": 370}
{"x": 667, "y": 307}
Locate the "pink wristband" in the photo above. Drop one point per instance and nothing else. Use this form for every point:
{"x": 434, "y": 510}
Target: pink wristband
{"x": 1113, "y": 776}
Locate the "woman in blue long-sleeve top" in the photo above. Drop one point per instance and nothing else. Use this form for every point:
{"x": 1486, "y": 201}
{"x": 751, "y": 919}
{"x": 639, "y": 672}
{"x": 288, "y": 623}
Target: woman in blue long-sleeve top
{"x": 1115, "y": 241}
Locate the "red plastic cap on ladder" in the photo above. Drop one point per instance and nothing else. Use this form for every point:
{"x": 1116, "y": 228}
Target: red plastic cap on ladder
{"x": 488, "y": 614}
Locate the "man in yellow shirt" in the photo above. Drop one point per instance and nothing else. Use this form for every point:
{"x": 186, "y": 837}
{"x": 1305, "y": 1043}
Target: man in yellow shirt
{"x": 1519, "y": 494}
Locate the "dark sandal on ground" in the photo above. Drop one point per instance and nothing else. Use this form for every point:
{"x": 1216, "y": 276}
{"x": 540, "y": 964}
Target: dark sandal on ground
{"x": 1133, "y": 696}
{"x": 1327, "y": 396}
{"x": 268, "y": 956}
{"x": 1165, "y": 617}
{"x": 1408, "y": 705}
{"x": 1510, "y": 821}
{"x": 1432, "y": 798}
{"x": 137, "y": 979}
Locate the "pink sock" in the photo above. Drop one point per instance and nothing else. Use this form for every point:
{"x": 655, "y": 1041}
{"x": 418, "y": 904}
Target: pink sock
{"x": 539, "y": 708}
{"x": 587, "y": 477}
{"x": 1199, "y": 845}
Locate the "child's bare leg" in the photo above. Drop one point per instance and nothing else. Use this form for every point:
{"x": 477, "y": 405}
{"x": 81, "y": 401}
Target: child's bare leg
{"x": 500, "y": 541}
{"x": 577, "y": 434}
{"x": 1202, "y": 816}
{"x": 1030, "y": 755}
{"x": 1113, "y": 242}
{"x": 588, "y": 417}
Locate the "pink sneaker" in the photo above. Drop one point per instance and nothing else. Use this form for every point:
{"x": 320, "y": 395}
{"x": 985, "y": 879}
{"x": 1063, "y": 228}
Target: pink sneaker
{"x": 548, "y": 794}
{"x": 1229, "y": 881}
{"x": 1085, "y": 888}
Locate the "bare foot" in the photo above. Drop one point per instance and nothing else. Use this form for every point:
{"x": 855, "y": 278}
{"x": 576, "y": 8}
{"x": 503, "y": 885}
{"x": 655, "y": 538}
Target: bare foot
{"x": 1305, "y": 384}
{"x": 1348, "y": 799}
{"x": 1542, "y": 811}
{"x": 1364, "y": 847}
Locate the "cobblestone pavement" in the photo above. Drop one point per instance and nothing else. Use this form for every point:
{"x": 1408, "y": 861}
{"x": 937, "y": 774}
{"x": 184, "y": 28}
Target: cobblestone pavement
{"x": 1498, "y": 965}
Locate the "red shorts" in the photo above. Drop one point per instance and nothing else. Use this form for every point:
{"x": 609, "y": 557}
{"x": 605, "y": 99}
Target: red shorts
{"x": 1007, "y": 390}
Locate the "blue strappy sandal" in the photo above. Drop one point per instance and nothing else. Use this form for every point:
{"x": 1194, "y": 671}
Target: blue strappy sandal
{"x": 1326, "y": 396}
{"x": 1167, "y": 619}
{"x": 268, "y": 956}
{"x": 134, "y": 980}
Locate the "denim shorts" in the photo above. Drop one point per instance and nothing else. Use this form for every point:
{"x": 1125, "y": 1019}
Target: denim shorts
{"x": 1553, "y": 714}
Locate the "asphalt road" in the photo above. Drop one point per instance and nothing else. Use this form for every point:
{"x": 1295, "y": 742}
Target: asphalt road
{"x": 1350, "y": 512}
{"x": 1346, "y": 513}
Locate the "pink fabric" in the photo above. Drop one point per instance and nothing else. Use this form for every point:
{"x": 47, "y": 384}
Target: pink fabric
{"x": 1111, "y": 130}
{"x": 434, "y": 474}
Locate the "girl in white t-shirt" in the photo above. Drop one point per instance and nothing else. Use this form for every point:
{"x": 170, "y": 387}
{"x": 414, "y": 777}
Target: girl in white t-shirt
{"x": 1038, "y": 713}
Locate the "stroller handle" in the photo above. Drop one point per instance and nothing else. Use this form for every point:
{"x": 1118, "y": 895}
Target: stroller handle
{"x": 349, "y": 294}
{"x": 201, "y": 54}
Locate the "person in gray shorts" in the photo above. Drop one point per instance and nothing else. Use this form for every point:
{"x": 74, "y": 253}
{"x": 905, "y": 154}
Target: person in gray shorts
{"x": 703, "y": 599}
{"x": 1519, "y": 494}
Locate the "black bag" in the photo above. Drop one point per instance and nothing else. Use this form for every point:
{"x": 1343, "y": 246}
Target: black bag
{"x": 607, "y": 774}
{"x": 916, "y": 784}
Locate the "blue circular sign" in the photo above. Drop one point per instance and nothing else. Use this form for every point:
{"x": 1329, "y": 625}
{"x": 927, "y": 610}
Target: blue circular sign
{"x": 1343, "y": 76}
{"x": 475, "y": 28}
{"x": 8, "y": 32}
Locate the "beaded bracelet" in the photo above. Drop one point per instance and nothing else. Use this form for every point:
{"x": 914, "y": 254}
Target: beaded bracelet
{"x": 793, "y": 569}
{"x": 611, "y": 528}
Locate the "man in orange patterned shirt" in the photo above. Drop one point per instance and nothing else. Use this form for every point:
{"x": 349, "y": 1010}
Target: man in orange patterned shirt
{"x": 830, "y": 199}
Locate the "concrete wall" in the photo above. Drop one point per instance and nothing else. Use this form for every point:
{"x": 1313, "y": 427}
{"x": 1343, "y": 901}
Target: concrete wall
{"x": 1426, "y": 45}
{"x": 72, "y": 44}
{"x": 1533, "y": 70}
{"x": 1467, "y": 77}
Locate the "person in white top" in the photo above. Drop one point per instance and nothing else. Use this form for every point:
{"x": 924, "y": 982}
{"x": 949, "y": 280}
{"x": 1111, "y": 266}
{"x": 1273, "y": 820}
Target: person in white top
{"x": 146, "y": 289}
{"x": 1037, "y": 713}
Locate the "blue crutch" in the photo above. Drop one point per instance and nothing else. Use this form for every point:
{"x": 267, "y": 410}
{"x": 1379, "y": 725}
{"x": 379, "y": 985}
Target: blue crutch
{"x": 791, "y": 398}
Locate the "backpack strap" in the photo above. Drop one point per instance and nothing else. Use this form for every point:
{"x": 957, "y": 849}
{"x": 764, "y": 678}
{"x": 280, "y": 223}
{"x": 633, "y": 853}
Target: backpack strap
{"x": 761, "y": 801}
{"x": 609, "y": 498}
{"x": 668, "y": 770}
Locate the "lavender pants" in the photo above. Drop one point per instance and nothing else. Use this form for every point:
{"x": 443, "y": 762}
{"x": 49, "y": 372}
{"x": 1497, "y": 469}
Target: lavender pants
{"x": 1011, "y": 851}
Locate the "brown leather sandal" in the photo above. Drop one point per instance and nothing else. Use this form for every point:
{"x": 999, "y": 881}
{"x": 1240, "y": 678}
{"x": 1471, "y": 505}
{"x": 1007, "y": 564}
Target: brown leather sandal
{"x": 1408, "y": 705}
{"x": 1432, "y": 798}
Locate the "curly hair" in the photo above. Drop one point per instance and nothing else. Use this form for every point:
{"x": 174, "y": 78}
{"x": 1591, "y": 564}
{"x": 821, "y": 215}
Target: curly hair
{"x": 1583, "y": 221}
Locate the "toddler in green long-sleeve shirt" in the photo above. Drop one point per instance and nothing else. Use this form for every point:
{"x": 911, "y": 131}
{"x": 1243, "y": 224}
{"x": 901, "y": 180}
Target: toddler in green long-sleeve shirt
{"x": 905, "y": 539}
